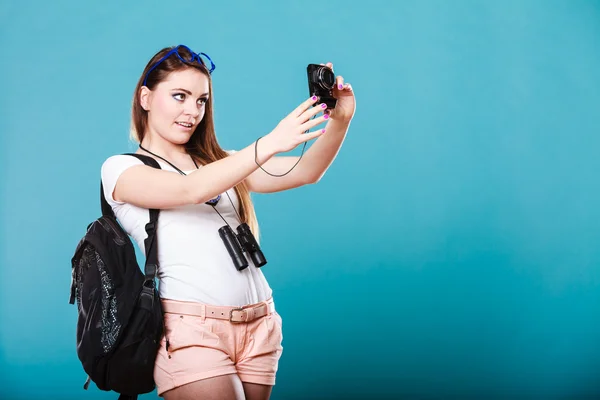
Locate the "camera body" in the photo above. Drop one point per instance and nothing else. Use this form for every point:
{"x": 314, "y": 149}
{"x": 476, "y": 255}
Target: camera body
{"x": 321, "y": 81}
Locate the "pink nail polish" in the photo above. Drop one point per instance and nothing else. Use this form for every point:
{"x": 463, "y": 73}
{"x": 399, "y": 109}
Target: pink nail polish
{"x": 340, "y": 87}
{"x": 326, "y": 116}
{"x": 322, "y": 130}
{"x": 323, "y": 105}
{"x": 314, "y": 98}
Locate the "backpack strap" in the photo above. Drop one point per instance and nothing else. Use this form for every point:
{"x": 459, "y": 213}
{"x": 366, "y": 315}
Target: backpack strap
{"x": 150, "y": 245}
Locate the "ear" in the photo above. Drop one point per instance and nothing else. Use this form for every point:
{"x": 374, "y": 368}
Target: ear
{"x": 145, "y": 98}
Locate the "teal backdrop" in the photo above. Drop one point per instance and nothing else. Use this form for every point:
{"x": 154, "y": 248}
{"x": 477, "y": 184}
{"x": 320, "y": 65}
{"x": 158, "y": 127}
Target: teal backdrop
{"x": 452, "y": 250}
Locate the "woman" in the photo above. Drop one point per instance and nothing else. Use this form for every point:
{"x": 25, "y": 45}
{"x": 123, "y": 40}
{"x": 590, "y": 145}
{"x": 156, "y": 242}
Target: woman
{"x": 222, "y": 334}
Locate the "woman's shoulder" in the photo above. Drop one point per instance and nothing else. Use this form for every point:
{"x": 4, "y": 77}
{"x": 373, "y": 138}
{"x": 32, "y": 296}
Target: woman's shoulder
{"x": 112, "y": 168}
{"x": 121, "y": 158}
{"x": 117, "y": 163}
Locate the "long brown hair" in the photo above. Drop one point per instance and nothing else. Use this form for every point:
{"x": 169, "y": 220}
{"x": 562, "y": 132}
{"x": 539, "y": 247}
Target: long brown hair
{"x": 203, "y": 145}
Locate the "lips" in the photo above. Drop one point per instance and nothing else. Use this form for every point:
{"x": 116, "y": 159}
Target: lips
{"x": 186, "y": 127}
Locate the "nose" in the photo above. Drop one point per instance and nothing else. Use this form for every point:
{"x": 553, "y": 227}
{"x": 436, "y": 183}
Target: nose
{"x": 191, "y": 109}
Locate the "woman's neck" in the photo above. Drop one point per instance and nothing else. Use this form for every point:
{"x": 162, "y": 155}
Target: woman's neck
{"x": 176, "y": 154}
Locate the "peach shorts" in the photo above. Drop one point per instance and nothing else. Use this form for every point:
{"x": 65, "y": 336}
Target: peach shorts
{"x": 197, "y": 346}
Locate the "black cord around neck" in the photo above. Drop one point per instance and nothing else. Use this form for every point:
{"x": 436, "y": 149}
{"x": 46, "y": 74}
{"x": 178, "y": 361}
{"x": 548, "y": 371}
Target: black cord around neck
{"x": 167, "y": 161}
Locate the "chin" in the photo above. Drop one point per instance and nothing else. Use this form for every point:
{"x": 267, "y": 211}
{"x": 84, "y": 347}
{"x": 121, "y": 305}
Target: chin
{"x": 179, "y": 138}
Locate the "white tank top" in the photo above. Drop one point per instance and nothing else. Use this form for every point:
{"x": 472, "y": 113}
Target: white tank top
{"x": 194, "y": 264}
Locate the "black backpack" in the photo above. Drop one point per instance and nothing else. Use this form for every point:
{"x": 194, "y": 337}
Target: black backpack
{"x": 120, "y": 317}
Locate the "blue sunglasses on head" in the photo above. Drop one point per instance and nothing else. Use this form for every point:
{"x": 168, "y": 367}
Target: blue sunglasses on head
{"x": 191, "y": 57}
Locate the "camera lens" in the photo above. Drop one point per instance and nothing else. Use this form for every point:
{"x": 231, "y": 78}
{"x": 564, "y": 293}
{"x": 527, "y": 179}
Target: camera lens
{"x": 325, "y": 78}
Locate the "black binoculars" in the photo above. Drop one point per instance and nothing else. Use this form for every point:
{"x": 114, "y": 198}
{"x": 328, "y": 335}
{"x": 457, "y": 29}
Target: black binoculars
{"x": 241, "y": 243}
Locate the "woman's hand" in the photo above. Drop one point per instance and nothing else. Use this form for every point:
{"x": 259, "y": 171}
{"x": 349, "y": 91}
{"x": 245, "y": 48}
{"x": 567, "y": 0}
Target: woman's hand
{"x": 346, "y": 104}
{"x": 289, "y": 133}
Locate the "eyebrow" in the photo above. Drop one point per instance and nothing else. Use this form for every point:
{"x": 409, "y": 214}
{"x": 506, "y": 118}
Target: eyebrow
{"x": 188, "y": 92}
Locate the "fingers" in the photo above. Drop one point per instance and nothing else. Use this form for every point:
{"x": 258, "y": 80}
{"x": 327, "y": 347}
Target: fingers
{"x": 304, "y": 106}
{"x": 312, "y": 135}
{"x": 311, "y": 112}
{"x": 339, "y": 82}
{"x": 314, "y": 122}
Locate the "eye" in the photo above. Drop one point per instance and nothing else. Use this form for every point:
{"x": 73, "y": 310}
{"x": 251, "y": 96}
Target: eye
{"x": 179, "y": 96}
{"x": 202, "y": 100}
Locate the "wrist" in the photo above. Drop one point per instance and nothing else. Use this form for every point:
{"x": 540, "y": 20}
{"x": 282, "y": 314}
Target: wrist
{"x": 341, "y": 116}
{"x": 339, "y": 122}
{"x": 269, "y": 145}
{"x": 264, "y": 149}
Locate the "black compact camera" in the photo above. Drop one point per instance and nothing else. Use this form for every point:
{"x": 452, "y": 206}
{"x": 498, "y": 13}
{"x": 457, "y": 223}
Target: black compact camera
{"x": 321, "y": 81}
{"x": 241, "y": 243}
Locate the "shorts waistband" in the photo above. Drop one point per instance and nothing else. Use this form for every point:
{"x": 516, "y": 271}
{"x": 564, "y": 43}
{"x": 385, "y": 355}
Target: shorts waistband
{"x": 232, "y": 314}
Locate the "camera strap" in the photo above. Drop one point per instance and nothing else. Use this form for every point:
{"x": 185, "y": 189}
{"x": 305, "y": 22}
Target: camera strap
{"x": 211, "y": 202}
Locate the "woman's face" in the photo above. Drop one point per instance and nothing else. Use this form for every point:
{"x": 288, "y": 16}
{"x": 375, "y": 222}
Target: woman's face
{"x": 176, "y": 105}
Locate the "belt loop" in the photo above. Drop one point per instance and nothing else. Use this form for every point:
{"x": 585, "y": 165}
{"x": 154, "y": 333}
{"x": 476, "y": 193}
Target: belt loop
{"x": 267, "y": 305}
{"x": 202, "y": 313}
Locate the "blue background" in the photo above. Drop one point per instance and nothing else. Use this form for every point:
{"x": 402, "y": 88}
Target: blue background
{"x": 452, "y": 250}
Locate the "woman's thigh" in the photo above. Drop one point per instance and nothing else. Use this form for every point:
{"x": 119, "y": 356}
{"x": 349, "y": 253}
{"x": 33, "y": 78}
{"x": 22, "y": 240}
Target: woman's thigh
{"x": 224, "y": 387}
{"x": 254, "y": 391}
